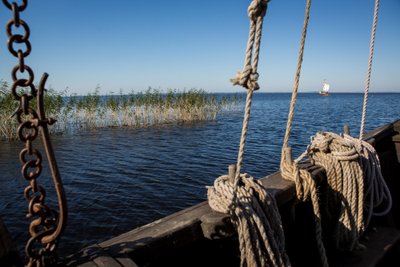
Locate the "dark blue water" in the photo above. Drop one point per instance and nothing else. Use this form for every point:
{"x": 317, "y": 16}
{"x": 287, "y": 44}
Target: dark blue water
{"x": 118, "y": 179}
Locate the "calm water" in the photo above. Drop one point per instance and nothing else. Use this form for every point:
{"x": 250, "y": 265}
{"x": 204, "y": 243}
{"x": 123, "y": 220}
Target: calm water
{"x": 118, "y": 179}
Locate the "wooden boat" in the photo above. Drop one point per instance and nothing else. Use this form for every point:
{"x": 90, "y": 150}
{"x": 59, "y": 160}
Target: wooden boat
{"x": 325, "y": 89}
{"x": 198, "y": 236}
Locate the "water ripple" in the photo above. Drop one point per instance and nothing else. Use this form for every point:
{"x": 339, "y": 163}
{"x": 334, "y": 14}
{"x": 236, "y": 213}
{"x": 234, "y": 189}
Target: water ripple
{"x": 118, "y": 179}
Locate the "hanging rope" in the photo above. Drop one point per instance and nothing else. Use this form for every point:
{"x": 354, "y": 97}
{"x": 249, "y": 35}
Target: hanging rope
{"x": 378, "y": 200}
{"x": 296, "y": 80}
{"x": 305, "y": 185}
{"x": 256, "y": 218}
{"x": 248, "y": 77}
{"x": 357, "y": 185}
{"x": 367, "y": 82}
{"x": 340, "y": 159}
{"x": 253, "y": 211}
{"x": 377, "y": 191}
{"x": 352, "y": 169}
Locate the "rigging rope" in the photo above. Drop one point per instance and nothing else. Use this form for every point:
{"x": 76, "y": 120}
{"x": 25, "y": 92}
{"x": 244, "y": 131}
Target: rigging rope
{"x": 253, "y": 211}
{"x": 248, "y": 77}
{"x": 368, "y": 79}
{"x": 352, "y": 168}
{"x": 305, "y": 185}
{"x": 296, "y": 80}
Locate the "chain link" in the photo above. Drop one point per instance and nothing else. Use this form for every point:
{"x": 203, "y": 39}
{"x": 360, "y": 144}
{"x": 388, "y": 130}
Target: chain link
{"x": 45, "y": 222}
{"x": 20, "y": 7}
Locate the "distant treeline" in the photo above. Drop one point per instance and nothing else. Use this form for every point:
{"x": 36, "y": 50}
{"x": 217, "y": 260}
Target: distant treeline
{"x": 136, "y": 109}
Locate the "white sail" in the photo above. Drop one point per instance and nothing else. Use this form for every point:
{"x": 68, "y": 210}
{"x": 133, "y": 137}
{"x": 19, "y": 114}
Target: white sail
{"x": 326, "y": 87}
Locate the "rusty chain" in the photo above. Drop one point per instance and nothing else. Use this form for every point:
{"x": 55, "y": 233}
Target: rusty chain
{"x": 46, "y": 224}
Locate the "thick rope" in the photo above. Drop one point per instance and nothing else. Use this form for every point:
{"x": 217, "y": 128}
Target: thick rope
{"x": 305, "y": 189}
{"x": 378, "y": 200}
{"x": 253, "y": 212}
{"x": 367, "y": 82}
{"x": 305, "y": 185}
{"x": 256, "y": 218}
{"x": 344, "y": 173}
{"x": 296, "y": 80}
{"x": 248, "y": 76}
{"x": 358, "y": 189}
{"x": 340, "y": 159}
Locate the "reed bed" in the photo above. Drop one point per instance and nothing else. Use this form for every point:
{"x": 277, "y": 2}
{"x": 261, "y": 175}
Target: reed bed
{"x": 142, "y": 109}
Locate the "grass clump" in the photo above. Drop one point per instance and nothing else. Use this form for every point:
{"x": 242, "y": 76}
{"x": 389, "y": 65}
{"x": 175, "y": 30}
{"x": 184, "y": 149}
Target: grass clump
{"x": 142, "y": 109}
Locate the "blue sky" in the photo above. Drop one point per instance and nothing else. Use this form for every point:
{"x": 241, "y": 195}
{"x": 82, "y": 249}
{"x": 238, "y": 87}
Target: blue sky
{"x": 131, "y": 45}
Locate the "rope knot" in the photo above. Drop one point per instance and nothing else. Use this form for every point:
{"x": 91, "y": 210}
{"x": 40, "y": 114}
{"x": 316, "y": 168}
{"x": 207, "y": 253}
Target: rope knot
{"x": 321, "y": 142}
{"x": 247, "y": 78}
{"x": 257, "y": 8}
{"x": 255, "y": 215}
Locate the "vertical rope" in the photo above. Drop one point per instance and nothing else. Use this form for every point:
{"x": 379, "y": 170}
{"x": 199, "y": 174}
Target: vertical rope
{"x": 296, "y": 81}
{"x": 367, "y": 82}
{"x": 253, "y": 211}
{"x": 248, "y": 77}
{"x": 243, "y": 135}
{"x": 305, "y": 185}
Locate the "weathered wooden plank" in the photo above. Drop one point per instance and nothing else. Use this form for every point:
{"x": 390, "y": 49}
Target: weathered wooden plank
{"x": 161, "y": 227}
{"x": 396, "y": 139}
{"x": 106, "y": 261}
{"x": 126, "y": 262}
{"x": 383, "y": 131}
{"x": 215, "y": 225}
{"x": 376, "y": 246}
{"x": 93, "y": 256}
{"x": 88, "y": 264}
{"x": 83, "y": 256}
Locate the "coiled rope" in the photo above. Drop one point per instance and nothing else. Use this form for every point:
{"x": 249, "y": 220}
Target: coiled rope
{"x": 352, "y": 167}
{"x": 253, "y": 211}
{"x": 358, "y": 189}
{"x": 340, "y": 159}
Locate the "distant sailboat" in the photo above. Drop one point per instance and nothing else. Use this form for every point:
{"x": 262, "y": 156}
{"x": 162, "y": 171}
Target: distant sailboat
{"x": 325, "y": 89}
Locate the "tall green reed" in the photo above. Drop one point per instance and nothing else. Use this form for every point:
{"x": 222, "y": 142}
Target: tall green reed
{"x": 136, "y": 109}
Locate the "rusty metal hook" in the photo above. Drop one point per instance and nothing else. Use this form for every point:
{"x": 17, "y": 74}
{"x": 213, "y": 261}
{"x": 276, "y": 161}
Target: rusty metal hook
{"x": 62, "y": 201}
